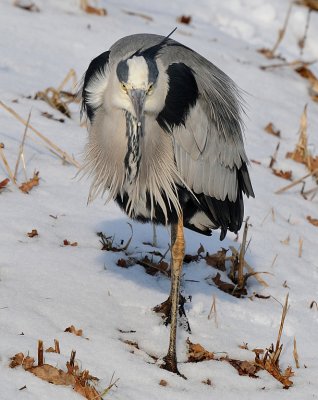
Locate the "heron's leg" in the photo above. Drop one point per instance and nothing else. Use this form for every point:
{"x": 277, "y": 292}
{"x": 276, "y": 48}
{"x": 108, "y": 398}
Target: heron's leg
{"x": 177, "y": 255}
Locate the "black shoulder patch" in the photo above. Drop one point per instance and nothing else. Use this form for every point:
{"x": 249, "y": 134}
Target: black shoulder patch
{"x": 182, "y": 94}
{"x": 97, "y": 65}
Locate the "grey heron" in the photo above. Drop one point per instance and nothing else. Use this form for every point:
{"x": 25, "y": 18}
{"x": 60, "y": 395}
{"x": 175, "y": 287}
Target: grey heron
{"x": 165, "y": 142}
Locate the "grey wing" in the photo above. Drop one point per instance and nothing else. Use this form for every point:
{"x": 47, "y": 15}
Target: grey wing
{"x": 208, "y": 142}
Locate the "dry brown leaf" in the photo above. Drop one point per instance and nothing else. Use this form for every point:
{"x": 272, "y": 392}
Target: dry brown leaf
{"x": 72, "y": 329}
{"x": 4, "y": 183}
{"x": 283, "y": 174}
{"x": 311, "y": 4}
{"x": 29, "y": 185}
{"x": 163, "y": 382}
{"x": 283, "y": 377}
{"x": 53, "y": 375}
{"x": 286, "y": 241}
{"x": 152, "y": 267}
{"x": 245, "y": 367}
{"x": 68, "y": 243}
{"x": 191, "y": 258}
{"x": 122, "y": 263}
{"x": 79, "y": 380}
{"x": 306, "y": 73}
{"x": 313, "y": 221}
{"x": 26, "y": 6}
{"x": 19, "y": 359}
{"x": 270, "y": 361}
{"x": 50, "y": 350}
{"x": 89, "y": 392}
{"x": 184, "y": 19}
{"x": 197, "y": 353}
{"x": 266, "y": 52}
{"x": 229, "y": 287}
{"x": 217, "y": 260}
{"x": 33, "y": 233}
{"x": 92, "y": 10}
{"x": 270, "y": 128}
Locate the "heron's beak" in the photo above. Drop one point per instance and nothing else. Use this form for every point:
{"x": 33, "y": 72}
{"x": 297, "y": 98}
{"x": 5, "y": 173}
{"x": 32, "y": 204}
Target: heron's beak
{"x": 137, "y": 97}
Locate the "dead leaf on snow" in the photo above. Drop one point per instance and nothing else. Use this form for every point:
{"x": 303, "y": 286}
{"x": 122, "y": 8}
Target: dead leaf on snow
{"x": 245, "y": 367}
{"x": 163, "y": 382}
{"x": 92, "y": 10}
{"x": 229, "y": 287}
{"x": 188, "y": 258}
{"x": 313, "y": 221}
{"x": 152, "y": 267}
{"x": 217, "y": 260}
{"x": 29, "y": 185}
{"x": 197, "y": 353}
{"x": 19, "y": 359}
{"x": 72, "y": 329}
{"x": 26, "y": 5}
{"x": 68, "y": 243}
{"x": 283, "y": 174}
{"x": 33, "y": 233}
{"x": 311, "y": 4}
{"x": 81, "y": 381}
{"x": 53, "y": 375}
{"x": 270, "y": 128}
{"x": 4, "y": 183}
{"x": 184, "y": 19}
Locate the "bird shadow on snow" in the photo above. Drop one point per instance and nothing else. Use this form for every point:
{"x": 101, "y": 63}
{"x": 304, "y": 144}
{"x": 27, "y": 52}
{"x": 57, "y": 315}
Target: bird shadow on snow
{"x": 194, "y": 274}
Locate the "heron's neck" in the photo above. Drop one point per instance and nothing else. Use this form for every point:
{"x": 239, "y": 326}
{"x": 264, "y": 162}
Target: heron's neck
{"x": 133, "y": 155}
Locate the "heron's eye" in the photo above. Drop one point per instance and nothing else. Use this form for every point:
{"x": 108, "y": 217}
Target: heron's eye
{"x": 124, "y": 87}
{"x": 150, "y": 89}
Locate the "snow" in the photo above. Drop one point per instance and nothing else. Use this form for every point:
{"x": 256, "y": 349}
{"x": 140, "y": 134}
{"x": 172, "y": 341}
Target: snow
{"x": 45, "y": 286}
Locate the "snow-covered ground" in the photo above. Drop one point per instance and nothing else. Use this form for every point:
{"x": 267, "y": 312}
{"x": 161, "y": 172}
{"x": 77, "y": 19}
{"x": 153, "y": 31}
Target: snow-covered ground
{"x": 45, "y": 286}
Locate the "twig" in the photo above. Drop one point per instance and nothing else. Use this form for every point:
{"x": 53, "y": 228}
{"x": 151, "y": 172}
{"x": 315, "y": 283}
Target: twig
{"x": 62, "y": 153}
{"x": 70, "y": 74}
{"x": 281, "y": 32}
{"x": 72, "y": 358}
{"x": 274, "y": 260}
{"x": 285, "y": 309}
{"x": 295, "y": 63}
{"x": 6, "y": 164}
{"x": 240, "y": 273}
{"x": 21, "y": 155}
{"x": 302, "y": 41}
{"x": 295, "y": 353}
{"x": 213, "y": 311}
{"x": 296, "y": 182}
{"x": 250, "y": 269}
{"x": 300, "y": 249}
{"x": 40, "y": 353}
{"x": 111, "y": 384}
{"x": 274, "y": 156}
{"x": 57, "y": 346}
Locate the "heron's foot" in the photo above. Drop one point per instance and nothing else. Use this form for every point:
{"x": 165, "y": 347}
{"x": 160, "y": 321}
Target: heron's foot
{"x": 165, "y": 310}
{"x": 170, "y": 364}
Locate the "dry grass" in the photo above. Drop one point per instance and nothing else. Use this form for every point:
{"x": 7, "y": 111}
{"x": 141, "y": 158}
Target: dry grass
{"x": 61, "y": 153}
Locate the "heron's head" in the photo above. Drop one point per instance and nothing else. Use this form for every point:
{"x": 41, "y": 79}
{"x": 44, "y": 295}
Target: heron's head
{"x": 137, "y": 85}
